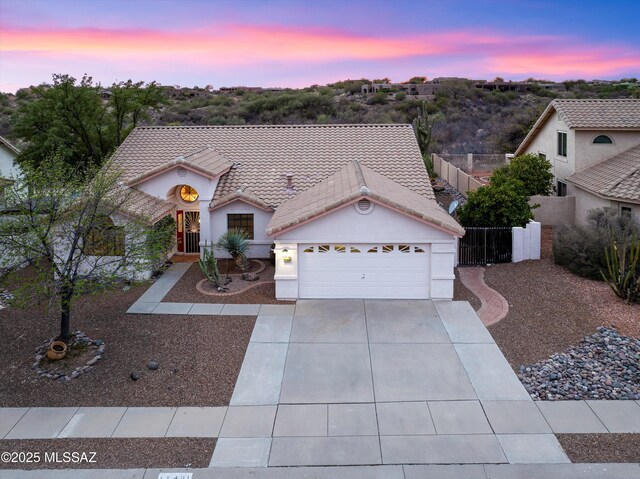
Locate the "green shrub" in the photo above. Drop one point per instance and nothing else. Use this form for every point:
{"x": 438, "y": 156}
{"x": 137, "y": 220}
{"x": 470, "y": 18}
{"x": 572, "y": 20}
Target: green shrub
{"x": 378, "y": 98}
{"x": 235, "y": 241}
{"x": 502, "y": 204}
{"x": 400, "y": 96}
{"x": 581, "y": 249}
{"x": 532, "y": 170}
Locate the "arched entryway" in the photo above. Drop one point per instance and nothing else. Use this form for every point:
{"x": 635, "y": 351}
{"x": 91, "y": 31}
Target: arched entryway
{"x": 187, "y": 219}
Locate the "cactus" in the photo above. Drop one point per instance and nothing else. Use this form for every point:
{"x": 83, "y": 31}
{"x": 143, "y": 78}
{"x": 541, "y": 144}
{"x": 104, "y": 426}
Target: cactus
{"x": 423, "y": 127}
{"x": 209, "y": 267}
{"x": 622, "y": 270}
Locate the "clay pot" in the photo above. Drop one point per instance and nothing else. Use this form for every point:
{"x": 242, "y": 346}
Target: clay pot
{"x": 57, "y": 350}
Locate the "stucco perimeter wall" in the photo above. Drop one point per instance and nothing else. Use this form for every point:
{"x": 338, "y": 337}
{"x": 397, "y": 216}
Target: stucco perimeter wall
{"x": 382, "y": 225}
{"x": 554, "y": 210}
{"x": 261, "y": 243}
{"x": 454, "y": 176}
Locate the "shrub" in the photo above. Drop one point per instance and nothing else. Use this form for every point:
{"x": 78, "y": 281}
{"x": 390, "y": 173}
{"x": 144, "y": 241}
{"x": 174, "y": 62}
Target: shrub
{"x": 581, "y": 249}
{"x": 532, "y": 170}
{"x": 378, "y": 98}
{"x": 400, "y": 96}
{"x": 502, "y": 204}
{"x": 236, "y": 243}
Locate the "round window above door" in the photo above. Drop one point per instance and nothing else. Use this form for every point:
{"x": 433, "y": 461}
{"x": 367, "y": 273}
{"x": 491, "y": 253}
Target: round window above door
{"x": 188, "y": 194}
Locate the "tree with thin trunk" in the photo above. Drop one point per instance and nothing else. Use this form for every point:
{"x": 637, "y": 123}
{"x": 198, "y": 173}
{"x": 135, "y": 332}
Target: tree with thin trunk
{"x": 78, "y": 236}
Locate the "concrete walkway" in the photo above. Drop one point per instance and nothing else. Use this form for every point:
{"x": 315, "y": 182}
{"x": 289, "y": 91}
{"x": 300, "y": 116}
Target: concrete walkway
{"x": 494, "y": 306}
{"x": 502, "y": 471}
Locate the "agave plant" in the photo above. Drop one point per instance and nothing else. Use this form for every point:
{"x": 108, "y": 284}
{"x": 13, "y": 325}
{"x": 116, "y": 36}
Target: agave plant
{"x": 622, "y": 269}
{"x": 236, "y": 242}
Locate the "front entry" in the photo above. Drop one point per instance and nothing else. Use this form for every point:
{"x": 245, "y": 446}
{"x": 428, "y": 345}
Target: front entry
{"x": 188, "y": 231}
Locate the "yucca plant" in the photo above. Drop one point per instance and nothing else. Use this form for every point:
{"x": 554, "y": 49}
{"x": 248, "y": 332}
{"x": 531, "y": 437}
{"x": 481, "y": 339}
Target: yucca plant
{"x": 209, "y": 267}
{"x": 236, "y": 242}
{"x": 622, "y": 269}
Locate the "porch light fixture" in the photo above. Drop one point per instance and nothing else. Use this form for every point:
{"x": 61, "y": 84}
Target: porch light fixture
{"x": 286, "y": 258}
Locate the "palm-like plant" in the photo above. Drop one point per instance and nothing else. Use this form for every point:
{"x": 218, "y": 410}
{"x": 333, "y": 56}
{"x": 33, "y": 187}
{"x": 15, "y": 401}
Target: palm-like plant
{"x": 236, "y": 242}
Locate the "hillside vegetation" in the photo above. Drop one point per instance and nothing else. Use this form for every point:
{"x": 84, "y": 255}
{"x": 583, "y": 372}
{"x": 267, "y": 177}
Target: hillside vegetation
{"x": 468, "y": 119}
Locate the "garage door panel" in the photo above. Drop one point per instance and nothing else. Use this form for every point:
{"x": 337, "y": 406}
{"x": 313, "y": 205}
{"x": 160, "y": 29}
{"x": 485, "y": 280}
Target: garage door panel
{"x": 334, "y": 274}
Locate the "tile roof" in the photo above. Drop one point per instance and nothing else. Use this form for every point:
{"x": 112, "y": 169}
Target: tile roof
{"x": 589, "y": 114}
{"x": 355, "y": 181}
{"x": 617, "y": 178}
{"x": 263, "y": 155}
{"x": 144, "y": 206}
{"x": 206, "y": 161}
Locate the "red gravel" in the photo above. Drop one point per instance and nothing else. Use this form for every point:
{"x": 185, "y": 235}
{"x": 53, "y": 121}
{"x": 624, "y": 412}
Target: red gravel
{"x": 185, "y": 290}
{"x": 199, "y": 356}
{"x": 601, "y": 447}
{"x": 114, "y": 453}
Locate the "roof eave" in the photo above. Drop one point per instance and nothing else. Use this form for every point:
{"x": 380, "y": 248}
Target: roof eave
{"x": 177, "y": 163}
{"x": 603, "y": 195}
{"x": 537, "y": 126}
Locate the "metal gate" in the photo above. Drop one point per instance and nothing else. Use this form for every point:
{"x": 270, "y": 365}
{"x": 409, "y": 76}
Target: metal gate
{"x": 192, "y": 231}
{"x": 481, "y": 246}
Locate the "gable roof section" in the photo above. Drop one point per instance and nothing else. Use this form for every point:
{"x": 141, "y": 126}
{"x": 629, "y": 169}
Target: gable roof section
{"x": 589, "y": 114}
{"x": 351, "y": 183}
{"x": 617, "y": 178}
{"x": 239, "y": 195}
{"x": 145, "y": 206}
{"x": 263, "y": 155}
{"x": 9, "y": 145}
{"x": 206, "y": 161}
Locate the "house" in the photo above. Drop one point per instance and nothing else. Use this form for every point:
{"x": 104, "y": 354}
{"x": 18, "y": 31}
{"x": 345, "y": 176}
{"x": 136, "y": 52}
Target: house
{"x": 347, "y": 209}
{"x": 418, "y": 89}
{"x": 593, "y": 146}
{"x": 9, "y": 169}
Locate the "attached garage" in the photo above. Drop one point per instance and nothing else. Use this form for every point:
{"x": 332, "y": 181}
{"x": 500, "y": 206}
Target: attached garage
{"x": 359, "y": 234}
{"x": 366, "y": 270}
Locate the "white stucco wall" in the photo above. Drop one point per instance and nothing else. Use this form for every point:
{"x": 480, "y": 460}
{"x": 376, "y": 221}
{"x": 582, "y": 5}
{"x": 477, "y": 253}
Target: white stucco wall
{"x": 586, "y": 201}
{"x": 382, "y": 225}
{"x": 588, "y": 154}
{"x": 8, "y": 167}
{"x": 546, "y": 142}
{"x": 261, "y": 243}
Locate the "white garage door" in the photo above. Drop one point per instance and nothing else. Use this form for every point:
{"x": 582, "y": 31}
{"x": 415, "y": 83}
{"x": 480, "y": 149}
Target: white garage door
{"x": 364, "y": 271}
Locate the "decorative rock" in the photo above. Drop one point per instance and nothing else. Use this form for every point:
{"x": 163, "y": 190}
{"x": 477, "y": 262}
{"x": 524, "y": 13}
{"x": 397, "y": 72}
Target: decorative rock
{"x": 135, "y": 375}
{"x": 152, "y": 365}
{"x": 604, "y": 365}
{"x": 92, "y": 361}
{"x": 249, "y": 277}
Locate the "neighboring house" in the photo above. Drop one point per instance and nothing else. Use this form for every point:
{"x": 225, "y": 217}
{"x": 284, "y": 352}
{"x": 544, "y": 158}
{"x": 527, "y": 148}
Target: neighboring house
{"x": 9, "y": 169}
{"x": 428, "y": 88}
{"x": 348, "y": 209}
{"x": 594, "y": 149}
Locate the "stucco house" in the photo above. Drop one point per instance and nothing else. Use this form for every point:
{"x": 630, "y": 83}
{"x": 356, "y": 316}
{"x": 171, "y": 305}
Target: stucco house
{"x": 594, "y": 148}
{"x": 347, "y": 209}
{"x": 9, "y": 169}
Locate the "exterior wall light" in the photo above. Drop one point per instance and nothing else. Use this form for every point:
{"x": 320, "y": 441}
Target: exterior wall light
{"x": 286, "y": 258}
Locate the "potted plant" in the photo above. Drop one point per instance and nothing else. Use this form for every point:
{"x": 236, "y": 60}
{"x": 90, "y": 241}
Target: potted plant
{"x": 57, "y": 350}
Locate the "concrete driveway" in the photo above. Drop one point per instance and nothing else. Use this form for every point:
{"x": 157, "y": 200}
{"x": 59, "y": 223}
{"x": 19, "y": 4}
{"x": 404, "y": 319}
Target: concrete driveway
{"x": 360, "y": 382}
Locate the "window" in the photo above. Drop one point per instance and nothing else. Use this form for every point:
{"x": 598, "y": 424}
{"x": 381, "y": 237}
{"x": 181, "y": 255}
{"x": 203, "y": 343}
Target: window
{"x": 404, "y": 248}
{"x": 354, "y": 249}
{"x": 105, "y": 239}
{"x": 241, "y": 221}
{"x": 561, "y": 188}
{"x": 419, "y": 250}
{"x": 188, "y": 194}
{"x": 562, "y": 143}
{"x": 387, "y": 248}
{"x": 542, "y": 156}
{"x": 340, "y": 248}
{"x": 373, "y": 250}
{"x": 308, "y": 250}
{"x": 323, "y": 248}
{"x": 625, "y": 211}
{"x": 602, "y": 140}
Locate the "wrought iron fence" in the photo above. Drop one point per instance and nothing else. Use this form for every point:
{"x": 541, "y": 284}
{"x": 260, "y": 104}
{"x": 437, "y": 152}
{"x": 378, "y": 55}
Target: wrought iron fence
{"x": 481, "y": 246}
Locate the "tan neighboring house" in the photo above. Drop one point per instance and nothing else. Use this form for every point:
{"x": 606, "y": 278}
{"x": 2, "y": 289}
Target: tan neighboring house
{"x": 593, "y": 146}
{"x": 347, "y": 209}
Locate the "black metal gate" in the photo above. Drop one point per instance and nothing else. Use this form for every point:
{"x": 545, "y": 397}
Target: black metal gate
{"x": 481, "y": 246}
{"x": 192, "y": 231}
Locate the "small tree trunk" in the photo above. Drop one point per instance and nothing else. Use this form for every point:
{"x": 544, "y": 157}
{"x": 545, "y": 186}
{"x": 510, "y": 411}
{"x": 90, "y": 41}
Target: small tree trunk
{"x": 65, "y": 314}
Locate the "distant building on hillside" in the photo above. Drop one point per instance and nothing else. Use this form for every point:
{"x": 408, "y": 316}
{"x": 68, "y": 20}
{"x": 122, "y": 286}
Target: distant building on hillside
{"x": 420, "y": 89}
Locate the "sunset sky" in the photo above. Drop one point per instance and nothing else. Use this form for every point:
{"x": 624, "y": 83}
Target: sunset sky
{"x": 295, "y": 43}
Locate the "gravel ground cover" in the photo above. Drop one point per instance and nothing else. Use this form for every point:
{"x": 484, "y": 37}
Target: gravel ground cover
{"x": 199, "y": 356}
{"x": 604, "y": 365}
{"x": 185, "y": 290}
{"x": 601, "y": 447}
{"x": 114, "y": 453}
{"x": 551, "y": 309}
